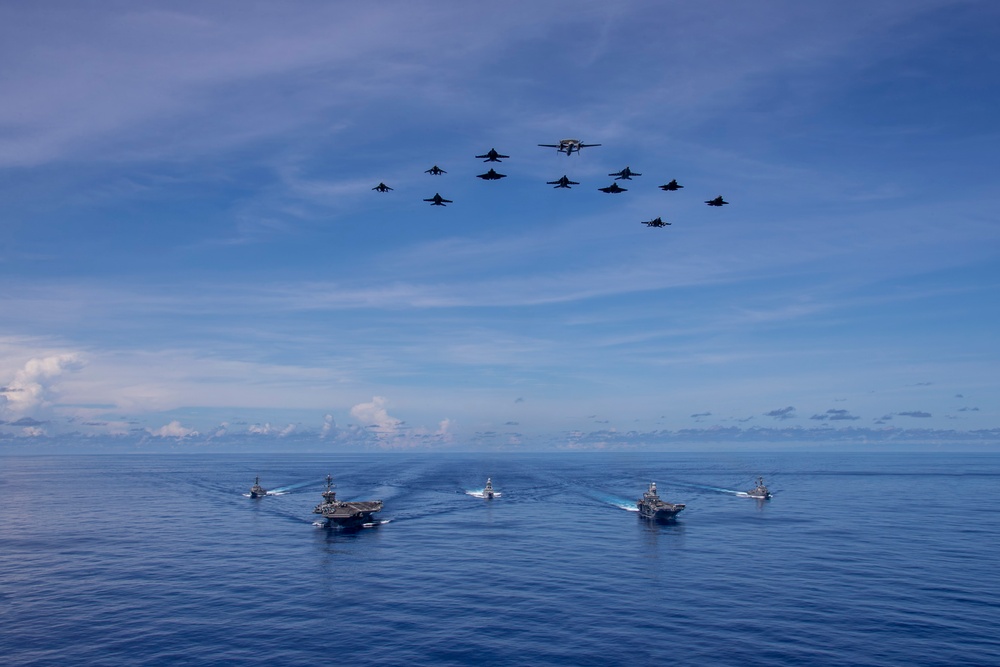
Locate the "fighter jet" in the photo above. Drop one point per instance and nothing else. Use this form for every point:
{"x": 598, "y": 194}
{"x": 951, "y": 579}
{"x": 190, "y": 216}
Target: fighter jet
{"x": 567, "y": 146}
{"x": 718, "y": 201}
{"x": 435, "y": 171}
{"x": 491, "y": 175}
{"x": 672, "y": 185}
{"x": 655, "y": 222}
{"x": 493, "y": 156}
{"x": 625, "y": 173}
{"x": 382, "y": 187}
{"x": 438, "y": 200}
{"x": 563, "y": 182}
{"x": 613, "y": 189}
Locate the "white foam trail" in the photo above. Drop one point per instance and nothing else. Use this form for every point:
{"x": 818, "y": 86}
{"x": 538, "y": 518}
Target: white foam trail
{"x": 282, "y": 490}
{"x": 479, "y": 494}
{"x": 627, "y": 508}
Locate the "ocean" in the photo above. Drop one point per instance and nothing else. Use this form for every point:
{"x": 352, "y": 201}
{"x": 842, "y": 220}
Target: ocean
{"x": 858, "y": 559}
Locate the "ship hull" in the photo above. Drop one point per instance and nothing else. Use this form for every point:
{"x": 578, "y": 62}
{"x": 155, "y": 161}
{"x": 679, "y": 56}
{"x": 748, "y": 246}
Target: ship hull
{"x": 660, "y": 514}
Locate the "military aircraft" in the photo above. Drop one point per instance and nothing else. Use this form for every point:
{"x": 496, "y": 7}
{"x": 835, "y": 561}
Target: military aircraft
{"x": 718, "y": 201}
{"x": 493, "y": 156}
{"x": 563, "y": 182}
{"x": 625, "y": 173}
{"x": 672, "y": 185}
{"x": 567, "y": 146}
{"x": 613, "y": 189}
{"x": 655, "y": 222}
{"x": 382, "y": 187}
{"x": 491, "y": 175}
{"x": 438, "y": 200}
{"x": 435, "y": 171}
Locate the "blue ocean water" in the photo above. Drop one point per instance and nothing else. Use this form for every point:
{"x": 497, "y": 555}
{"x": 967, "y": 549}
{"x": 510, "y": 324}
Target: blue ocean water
{"x": 859, "y": 559}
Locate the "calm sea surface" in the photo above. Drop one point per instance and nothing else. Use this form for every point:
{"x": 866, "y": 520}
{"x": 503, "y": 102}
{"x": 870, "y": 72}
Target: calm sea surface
{"x": 861, "y": 559}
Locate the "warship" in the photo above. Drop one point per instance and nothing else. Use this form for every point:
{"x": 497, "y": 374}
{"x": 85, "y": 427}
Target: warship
{"x": 344, "y": 513}
{"x": 760, "y": 492}
{"x": 651, "y": 506}
{"x": 257, "y": 491}
{"x": 488, "y": 492}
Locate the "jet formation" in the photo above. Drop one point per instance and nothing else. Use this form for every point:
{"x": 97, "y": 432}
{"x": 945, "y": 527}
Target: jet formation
{"x": 567, "y": 146}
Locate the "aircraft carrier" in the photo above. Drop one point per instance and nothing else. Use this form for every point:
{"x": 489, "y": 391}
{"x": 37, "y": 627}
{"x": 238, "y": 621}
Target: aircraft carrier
{"x": 348, "y": 514}
{"x": 651, "y": 506}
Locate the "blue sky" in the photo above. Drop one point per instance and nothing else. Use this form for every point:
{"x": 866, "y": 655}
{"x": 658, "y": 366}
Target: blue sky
{"x": 192, "y": 254}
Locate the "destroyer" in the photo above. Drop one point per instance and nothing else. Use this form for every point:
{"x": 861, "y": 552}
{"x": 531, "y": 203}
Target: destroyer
{"x": 257, "y": 491}
{"x": 760, "y": 492}
{"x": 488, "y": 492}
{"x": 344, "y": 513}
{"x": 651, "y": 506}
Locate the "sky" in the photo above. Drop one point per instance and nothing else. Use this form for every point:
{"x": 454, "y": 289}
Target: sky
{"x": 192, "y": 255}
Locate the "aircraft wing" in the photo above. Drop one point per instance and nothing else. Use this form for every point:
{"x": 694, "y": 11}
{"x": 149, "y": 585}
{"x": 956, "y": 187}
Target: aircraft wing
{"x": 588, "y": 145}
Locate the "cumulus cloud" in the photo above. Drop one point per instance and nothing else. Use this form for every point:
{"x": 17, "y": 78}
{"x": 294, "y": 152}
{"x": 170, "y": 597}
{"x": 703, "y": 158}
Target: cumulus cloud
{"x": 172, "y": 430}
{"x": 33, "y": 386}
{"x": 782, "y": 413}
{"x": 920, "y": 414}
{"x": 329, "y": 426}
{"x": 699, "y": 415}
{"x": 375, "y": 416}
{"x": 268, "y": 429}
{"x": 444, "y": 430}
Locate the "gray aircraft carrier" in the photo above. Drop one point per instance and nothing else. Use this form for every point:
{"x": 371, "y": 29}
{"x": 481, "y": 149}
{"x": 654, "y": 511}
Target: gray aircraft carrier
{"x": 651, "y": 506}
{"x": 345, "y": 513}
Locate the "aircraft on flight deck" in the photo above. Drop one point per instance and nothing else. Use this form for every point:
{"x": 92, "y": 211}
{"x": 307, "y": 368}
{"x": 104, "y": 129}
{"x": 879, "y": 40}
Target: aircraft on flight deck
{"x": 567, "y": 146}
{"x": 493, "y": 156}
{"x": 718, "y": 201}
{"x": 563, "y": 182}
{"x": 672, "y": 185}
{"x": 655, "y": 222}
{"x": 438, "y": 200}
{"x": 435, "y": 171}
{"x": 491, "y": 175}
{"x": 613, "y": 189}
{"x": 382, "y": 187}
{"x": 625, "y": 173}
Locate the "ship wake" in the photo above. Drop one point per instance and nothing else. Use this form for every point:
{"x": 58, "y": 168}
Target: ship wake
{"x": 480, "y": 494}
